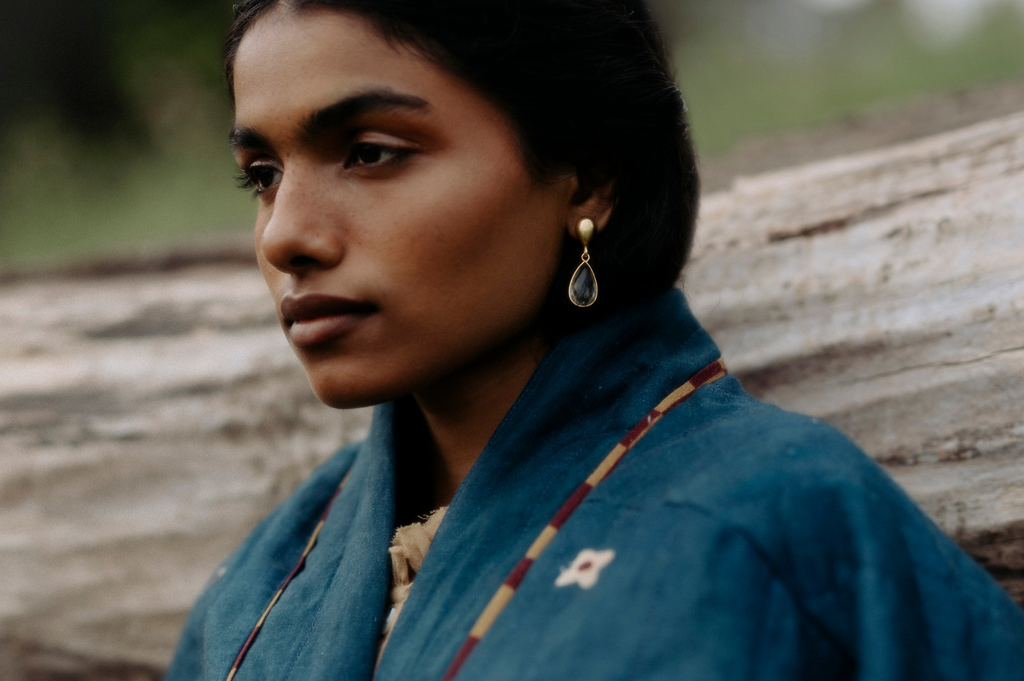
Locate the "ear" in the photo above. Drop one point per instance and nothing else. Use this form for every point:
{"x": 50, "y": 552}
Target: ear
{"x": 597, "y": 206}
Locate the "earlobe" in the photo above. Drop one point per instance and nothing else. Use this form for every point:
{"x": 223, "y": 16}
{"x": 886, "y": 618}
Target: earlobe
{"x": 597, "y": 208}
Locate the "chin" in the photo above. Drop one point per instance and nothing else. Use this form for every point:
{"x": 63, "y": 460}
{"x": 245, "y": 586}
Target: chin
{"x": 346, "y": 396}
{"x": 351, "y": 390}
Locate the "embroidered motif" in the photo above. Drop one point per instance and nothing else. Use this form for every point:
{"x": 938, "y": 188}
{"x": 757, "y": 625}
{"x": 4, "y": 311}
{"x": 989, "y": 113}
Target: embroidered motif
{"x": 586, "y": 568}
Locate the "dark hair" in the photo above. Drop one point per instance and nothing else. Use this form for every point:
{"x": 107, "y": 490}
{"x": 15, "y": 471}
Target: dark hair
{"x": 588, "y": 86}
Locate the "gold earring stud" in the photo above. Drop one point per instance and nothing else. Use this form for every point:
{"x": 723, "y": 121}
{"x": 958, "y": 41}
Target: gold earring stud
{"x": 583, "y": 285}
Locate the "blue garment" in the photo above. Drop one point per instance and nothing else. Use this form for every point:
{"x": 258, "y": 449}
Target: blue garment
{"x": 749, "y": 543}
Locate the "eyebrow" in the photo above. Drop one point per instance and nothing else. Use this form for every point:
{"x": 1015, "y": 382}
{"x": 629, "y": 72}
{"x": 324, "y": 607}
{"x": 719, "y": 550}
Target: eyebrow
{"x": 333, "y": 116}
{"x": 247, "y": 138}
{"x": 340, "y": 113}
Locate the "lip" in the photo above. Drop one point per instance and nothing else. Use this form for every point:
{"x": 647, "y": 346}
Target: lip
{"x": 313, "y": 319}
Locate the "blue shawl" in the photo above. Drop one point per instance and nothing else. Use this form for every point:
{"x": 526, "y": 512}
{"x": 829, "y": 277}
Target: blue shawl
{"x": 735, "y": 541}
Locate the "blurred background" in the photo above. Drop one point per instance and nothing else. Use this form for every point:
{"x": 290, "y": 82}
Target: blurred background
{"x": 113, "y": 115}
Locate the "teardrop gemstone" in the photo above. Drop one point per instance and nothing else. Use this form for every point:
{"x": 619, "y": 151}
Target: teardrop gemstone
{"x": 583, "y": 286}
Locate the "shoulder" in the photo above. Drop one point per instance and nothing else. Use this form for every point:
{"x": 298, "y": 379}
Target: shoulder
{"x": 778, "y": 477}
{"x": 723, "y": 447}
{"x": 251, "y": 574}
{"x": 805, "y": 496}
{"x": 822, "y": 517}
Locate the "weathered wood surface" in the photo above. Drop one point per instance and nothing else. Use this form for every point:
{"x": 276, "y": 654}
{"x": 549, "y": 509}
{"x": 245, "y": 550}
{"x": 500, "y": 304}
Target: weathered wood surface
{"x": 147, "y": 423}
{"x": 149, "y": 420}
{"x": 884, "y": 293}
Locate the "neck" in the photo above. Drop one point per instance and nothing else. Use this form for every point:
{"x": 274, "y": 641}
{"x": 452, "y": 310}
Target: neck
{"x": 463, "y": 411}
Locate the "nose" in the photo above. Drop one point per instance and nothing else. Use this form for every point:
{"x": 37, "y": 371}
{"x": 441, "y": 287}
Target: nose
{"x": 302, "y": 233}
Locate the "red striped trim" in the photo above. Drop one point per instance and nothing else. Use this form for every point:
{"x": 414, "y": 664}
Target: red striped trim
{"x": 517, "y": 574}
{"x": 460, "y": 658}
{"x": 703, "y": 376}
{"x": 709, "y": 374}
{"x": 640, "y": 429}
{"x": 571, "y": 505}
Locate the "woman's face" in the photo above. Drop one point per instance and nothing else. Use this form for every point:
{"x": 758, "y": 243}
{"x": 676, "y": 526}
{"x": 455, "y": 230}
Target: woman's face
{"x": 401, "y": 234}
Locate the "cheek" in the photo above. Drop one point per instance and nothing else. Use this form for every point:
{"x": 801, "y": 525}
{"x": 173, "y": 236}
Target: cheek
{"x": 481, "y": 234}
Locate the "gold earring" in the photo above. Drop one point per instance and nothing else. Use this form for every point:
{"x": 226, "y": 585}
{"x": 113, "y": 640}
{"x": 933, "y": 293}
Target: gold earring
{"x": 583, "y": 285}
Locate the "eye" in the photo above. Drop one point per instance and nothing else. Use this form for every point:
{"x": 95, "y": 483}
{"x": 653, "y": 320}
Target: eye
{"x": 367, "y": 154}
{"x": 259, "y": 177}
{"x": 264, "y": 177}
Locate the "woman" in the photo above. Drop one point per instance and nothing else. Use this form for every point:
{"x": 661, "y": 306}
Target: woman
{"x": 472, "y": 213}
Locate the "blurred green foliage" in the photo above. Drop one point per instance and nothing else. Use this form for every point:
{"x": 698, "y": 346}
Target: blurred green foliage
{"x": 151, "y": 165}
{"x": 113, "y": 116}
{"x": 738, "y": 84}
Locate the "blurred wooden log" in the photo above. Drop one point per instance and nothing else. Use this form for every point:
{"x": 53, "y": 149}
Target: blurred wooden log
{"x": 148, "y": 420}
{"x": 884, "y": 293}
